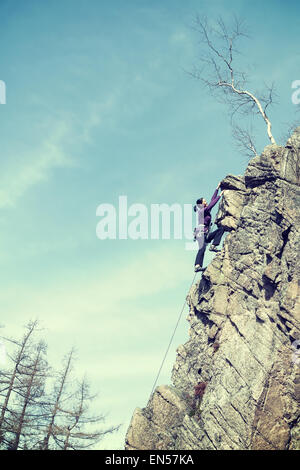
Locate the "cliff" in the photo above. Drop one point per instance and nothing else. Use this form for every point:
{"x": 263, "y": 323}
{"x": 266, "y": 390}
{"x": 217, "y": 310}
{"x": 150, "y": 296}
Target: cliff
{"x": 236, "y": 382}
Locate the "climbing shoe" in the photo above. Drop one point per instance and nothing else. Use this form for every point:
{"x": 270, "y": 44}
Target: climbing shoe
{"x": 198, "y": 268}
{"x": 214, "y": 248}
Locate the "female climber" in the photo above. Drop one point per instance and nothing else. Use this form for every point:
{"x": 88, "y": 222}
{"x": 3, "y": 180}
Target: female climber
{"x": 201, "y": 232}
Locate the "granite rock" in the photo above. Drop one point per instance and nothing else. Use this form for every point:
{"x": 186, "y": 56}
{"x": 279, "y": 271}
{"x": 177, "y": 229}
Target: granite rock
{"x": 244, "y": 325}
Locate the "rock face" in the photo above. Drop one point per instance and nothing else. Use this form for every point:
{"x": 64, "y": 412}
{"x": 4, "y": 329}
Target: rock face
{"x": 231, "y": 204}
{"x": 244, "y": 321}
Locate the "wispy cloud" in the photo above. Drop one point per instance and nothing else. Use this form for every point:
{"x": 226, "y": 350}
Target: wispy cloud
{"x": 105, "y": 289}
{"x": 125, "y": 305}
{"x": 35, "y": 167}
{"x": 119, "y": 317}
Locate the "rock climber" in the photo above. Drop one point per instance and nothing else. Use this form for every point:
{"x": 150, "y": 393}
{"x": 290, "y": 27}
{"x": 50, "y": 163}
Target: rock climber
{"x": 201, "y": 232}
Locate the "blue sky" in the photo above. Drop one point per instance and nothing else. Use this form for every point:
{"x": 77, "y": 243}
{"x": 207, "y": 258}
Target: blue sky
{"x": 99, "y": 105}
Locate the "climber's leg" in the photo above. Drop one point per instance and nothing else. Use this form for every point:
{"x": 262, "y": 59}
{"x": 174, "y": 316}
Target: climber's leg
{"x": 216, "y": 238}
{"x": 211, "y": 235}
{"x": 200, "y": 255}
{"x": 218, "y": 235}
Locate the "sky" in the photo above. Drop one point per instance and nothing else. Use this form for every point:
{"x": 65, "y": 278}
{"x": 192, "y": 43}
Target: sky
{"x": 99, "y": 104}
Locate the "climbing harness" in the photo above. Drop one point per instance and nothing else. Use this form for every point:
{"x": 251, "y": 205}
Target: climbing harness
{"x": 161, "y": 366}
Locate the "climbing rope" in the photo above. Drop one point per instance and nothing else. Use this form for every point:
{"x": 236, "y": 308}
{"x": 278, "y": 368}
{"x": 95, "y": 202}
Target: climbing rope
{"x": 161, "y": 366}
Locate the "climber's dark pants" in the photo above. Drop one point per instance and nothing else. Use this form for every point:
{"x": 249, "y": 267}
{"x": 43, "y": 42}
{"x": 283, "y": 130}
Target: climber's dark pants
{"x": 201, "y": 251}
{"x": 214, "y": 236}
{"x": 200, "y": 255}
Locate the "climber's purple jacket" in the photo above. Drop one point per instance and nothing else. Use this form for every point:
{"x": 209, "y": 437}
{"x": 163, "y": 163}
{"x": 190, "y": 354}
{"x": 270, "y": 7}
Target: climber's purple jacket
{"x": 204, "y": 216}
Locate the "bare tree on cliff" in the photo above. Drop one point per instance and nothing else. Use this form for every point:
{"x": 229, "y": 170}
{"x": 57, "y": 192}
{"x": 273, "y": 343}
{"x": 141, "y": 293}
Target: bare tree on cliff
{"x": 219, "y": 72}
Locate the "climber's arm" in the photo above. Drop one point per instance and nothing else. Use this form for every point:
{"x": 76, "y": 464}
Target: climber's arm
{"x": 215, "y": 198}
